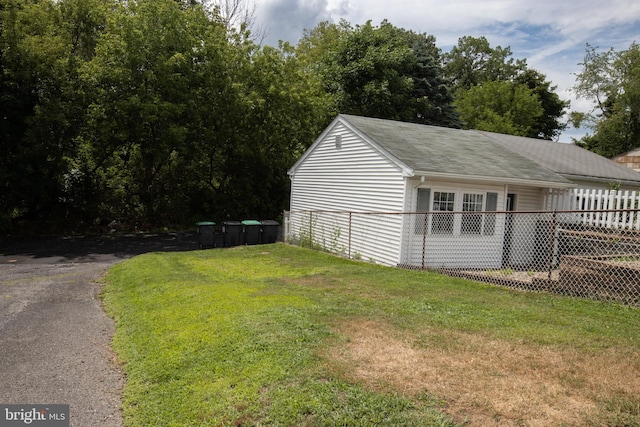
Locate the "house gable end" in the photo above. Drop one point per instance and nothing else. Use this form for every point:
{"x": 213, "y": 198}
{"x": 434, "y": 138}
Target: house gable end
{"x": 340, "y": 134}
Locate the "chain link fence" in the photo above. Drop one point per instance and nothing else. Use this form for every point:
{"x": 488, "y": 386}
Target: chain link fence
{"x": 590, "y": 254}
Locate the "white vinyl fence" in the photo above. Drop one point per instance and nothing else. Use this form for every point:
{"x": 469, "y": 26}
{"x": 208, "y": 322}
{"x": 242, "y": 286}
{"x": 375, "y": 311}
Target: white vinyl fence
{"x": 615, "y": 206}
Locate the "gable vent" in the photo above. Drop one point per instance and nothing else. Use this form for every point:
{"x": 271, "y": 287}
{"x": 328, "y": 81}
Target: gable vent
{"x": 338, "y": 142}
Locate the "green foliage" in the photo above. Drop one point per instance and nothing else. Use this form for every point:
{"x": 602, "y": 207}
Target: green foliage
{"x": 151, "y": 113}
{"x": 282, "y": 110}
{"x": 473, "y": 61}
{"x": 382, "y": 71}
{"x": 499, "y": 106}
{"x": 480, "y": 72}
{"x": 431, "y": 99}
{"x": 548, "y": 125}
{"x": 42, "y": 44}
{"x": 367, "y": 68}
{"x": 138, "y": 118}
{"x": 611, "y": 80}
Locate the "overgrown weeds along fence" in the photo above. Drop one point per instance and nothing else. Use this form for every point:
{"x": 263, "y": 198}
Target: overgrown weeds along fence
{"x": 593, "y": 254}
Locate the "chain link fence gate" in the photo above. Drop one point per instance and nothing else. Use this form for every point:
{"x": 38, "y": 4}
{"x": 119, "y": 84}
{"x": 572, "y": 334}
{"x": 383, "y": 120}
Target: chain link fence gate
{"x": 590, "y": 254}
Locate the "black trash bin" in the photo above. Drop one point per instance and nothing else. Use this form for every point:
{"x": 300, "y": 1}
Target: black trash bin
{"x": 270, "y": 229}
{"x": 252, "y": 230}
{"x": 231, "y": 233}
{"x": 206, "y": 232}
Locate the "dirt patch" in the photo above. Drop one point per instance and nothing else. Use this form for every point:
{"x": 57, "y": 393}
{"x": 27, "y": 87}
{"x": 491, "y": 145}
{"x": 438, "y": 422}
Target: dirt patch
{"x": 486, "y": 381}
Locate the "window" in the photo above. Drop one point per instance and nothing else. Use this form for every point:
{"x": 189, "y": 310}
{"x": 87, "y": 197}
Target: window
{"x": 443, "y": 203}
{"x": 474, "y": 213}
{"x": 471, "y": 223}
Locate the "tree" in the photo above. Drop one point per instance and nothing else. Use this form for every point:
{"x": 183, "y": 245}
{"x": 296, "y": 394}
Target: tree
{"x": 382, "y": 72}
{"x": 281, "y": 108}
{"x": 150, "y": 112}
{"x": 548, "y": 125}
{"x": 499, "y": 106}
{"x": 316, "y": 43}
{"x": 612, "y": 81}
{"x": 43, "y": 44}
{"x": 431, "y": 100}
{"x": 17, "y": 103}
{"x": 369, "y": 67}
{"x": 192, "y": 120}
{"x": 473, "y": 63}
{"x": 145, "y": 79}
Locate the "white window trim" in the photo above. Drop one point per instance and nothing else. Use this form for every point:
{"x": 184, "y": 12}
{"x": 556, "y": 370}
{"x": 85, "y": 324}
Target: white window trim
{"x": 457, "y": 207}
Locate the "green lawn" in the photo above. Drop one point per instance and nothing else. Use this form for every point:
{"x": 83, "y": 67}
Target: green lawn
{"x": 277, "y": 335}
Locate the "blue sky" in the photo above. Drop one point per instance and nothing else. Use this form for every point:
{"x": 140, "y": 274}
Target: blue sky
{"x": 550, "y": 34}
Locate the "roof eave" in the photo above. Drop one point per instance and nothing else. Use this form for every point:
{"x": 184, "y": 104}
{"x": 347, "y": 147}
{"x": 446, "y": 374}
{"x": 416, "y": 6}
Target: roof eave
{"x": 601, "y": 179}
{"x": 497, "y": 180}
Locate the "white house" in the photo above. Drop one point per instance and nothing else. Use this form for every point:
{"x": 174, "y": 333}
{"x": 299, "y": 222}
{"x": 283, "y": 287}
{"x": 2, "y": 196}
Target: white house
{"x": 363, "y": 164}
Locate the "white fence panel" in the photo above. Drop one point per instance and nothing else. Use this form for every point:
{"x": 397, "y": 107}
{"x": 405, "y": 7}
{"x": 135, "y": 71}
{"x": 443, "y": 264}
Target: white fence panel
{"x": 607, "y": 208}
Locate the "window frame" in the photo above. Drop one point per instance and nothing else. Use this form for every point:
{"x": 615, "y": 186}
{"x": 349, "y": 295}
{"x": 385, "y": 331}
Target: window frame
{"x": 443, "y": 220}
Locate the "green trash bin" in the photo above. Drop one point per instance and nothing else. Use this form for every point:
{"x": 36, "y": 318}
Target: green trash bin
{"x": 206, "y": 233}
{"x": 252, "y": 229}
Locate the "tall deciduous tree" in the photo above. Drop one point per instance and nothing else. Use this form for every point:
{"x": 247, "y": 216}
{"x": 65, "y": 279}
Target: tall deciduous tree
{"x": 549, "y": 124}
{"x": 192, "y": 119}
{"x": 369, "y": 66}
{"x": 500, "y": 106}
{"x": 43, "y": 45}
{"x": 475, "y": 67}
{"x": 151, "y": 111}
{"x": 473, "y": 61}
{"x": 382, "y": 71}
{"x": 611, "y": 80}
{"x": 281, "y": 108}
{"x": 142, "y": 76}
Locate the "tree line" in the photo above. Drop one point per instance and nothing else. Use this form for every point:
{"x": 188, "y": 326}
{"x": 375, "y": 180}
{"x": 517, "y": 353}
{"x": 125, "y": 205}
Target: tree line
{"x": 158, "y": 113}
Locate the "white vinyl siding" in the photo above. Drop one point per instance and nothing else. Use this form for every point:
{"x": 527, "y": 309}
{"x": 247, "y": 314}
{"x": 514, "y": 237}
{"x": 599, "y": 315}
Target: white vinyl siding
{"x": 351, "y": 175}
{"x": 527, "y": 198}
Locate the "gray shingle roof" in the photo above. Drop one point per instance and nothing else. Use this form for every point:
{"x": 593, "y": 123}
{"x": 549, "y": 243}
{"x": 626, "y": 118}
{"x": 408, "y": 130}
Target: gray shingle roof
{"x": 462, "y": 153}
{"x": 566, "y": 159}
{"x": 479, "y": 154}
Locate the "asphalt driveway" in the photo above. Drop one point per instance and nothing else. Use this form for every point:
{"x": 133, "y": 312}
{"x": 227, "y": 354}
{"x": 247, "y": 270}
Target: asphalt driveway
{"x": 54, "y": 335}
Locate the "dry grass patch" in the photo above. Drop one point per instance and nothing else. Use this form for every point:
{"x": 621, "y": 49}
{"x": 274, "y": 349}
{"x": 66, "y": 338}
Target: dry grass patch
{"x": 487, "y": 381}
